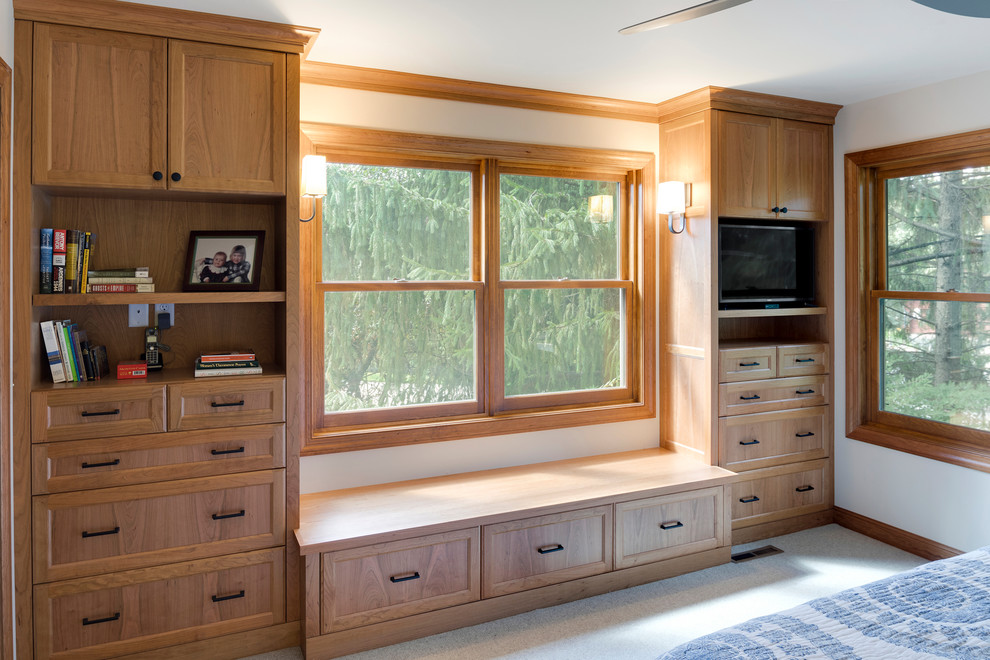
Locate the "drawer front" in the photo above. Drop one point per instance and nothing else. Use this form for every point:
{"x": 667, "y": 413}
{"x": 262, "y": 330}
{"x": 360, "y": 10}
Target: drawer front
{"x": 762, "y": 440}
{"x": 397, "y": 579}
{"x": 101, "y": 463}
{"x": 802, "y": 359}
{"x": 779, "y": 496}
{"x": 97, "y": 412}
{"x": 535, "y": 552}
{"x": 101, "y": 531}
{"x": 227, "y": 402}
{"x": 140, "y": 610}
{"x": 774, "y": 394}
{"x": 668, "y": 526}
{"x": 748, "y": 363}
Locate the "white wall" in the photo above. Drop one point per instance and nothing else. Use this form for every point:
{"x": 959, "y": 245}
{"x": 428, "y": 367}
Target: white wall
{"x": 942, "y": 502}
{"x": 450, "y": 118}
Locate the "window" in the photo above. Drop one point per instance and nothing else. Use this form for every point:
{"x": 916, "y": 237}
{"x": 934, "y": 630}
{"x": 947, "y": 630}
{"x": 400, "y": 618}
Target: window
{"x": 920, "y": 259}
{"x": 471, "y": 288}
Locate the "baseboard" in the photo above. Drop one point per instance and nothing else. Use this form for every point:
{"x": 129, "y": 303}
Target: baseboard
{"x": 906, "y": 541}
{"x": 229, "y": 647}
{"x": 780, "y": 527}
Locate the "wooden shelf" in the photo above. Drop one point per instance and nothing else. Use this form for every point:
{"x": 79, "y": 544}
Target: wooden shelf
{"x": 760, "y": 313}
{"x": 170, "y": 374}
{"x": 74, "y": 299}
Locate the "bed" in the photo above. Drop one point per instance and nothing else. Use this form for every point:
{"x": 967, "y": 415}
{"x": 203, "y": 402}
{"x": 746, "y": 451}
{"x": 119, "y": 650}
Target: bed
{"x": 938, "y": 610}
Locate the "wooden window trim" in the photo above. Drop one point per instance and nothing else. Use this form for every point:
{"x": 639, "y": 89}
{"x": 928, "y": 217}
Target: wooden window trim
{"x": 634, "y": 170}
{"x": 864, "y": 246}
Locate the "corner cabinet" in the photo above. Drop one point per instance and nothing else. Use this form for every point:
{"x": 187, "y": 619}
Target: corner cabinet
{"x": 763, "y": 374}
{"x": 153, "y": 516}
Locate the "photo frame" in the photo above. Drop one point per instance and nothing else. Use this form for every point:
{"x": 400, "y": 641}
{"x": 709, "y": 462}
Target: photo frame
{"x": 224, "y": 261}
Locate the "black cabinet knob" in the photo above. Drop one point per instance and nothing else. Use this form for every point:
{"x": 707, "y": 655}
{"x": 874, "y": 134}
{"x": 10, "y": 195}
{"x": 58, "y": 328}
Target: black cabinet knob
{"x": 783, "y": 210}
{"x": 157, "y": 176}
{"x": 775, "y": 209}
{"x": 176, "y": 176}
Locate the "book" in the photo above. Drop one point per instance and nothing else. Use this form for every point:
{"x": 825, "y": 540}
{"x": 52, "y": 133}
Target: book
{"x": 87, "y": 354}
{"x": 65, "y": 344}
{"x": 139, "y": 271}
{"x": 133, "y": 369}
{"x": 58, "y": 261}
{"x": 100, "y": 361}
{"x": 227, "y": 364}
{"x": 71, "y": 261}
{"x": 87, "y": 245}
{"x": 99, "y": 279}
{"x": 120, "y": 288}
{"x": 238, "y": 371}
{"x": 231, "y": 356}
{"x": 52, "y": 351}
{"x": 78, "y": 336}
{"x": 45, "y": 285}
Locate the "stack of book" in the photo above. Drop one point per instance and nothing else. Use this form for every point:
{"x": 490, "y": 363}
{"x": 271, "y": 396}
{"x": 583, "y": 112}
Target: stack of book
{"x": 120, "y": 280}
{"x": 234, "y": 363}
{"x": 71, "y": 358}
{"x": 65, "y": 255}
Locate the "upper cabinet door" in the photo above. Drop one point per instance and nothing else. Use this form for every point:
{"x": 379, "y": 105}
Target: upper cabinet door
{"x": 746, "y": 166}
{"x": 802, "y": 164}
{"x": 226, "y": 118}
{"x": 99, "y": 108}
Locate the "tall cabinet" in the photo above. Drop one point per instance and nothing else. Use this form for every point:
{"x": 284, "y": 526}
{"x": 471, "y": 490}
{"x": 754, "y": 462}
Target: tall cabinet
{"x": 155, "y": 515}
{"x": 749, "y": 389}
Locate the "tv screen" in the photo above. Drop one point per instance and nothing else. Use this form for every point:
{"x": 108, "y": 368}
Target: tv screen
{"x": 765, "y": 266}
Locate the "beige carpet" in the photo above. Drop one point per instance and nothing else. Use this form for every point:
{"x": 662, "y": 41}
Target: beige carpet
{"x": 643, "y": 622}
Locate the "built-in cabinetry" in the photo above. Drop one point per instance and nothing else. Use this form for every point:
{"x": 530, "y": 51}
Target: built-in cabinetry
{"x": 749, "y": 389}
{"x": 157, "y": 509}
{"x": 398, "y": 561}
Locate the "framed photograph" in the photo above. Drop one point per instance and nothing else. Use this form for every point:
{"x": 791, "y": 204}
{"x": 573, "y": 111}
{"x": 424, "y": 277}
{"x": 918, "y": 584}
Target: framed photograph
{"x": 224, "y": 261}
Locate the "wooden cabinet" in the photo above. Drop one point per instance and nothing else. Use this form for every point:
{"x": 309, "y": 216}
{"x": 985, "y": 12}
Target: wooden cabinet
{"x": 657, "y": 528}
{"x": 772, "y": 168}
{"x": 122, "y": 110}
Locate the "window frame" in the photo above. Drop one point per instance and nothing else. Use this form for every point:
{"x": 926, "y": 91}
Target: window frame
{"x": 865, "y": 174}
{"x": 495, "y": 414}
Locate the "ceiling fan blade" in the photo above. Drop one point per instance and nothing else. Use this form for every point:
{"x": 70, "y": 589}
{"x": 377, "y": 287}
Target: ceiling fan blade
{"x": 696, "y": 11}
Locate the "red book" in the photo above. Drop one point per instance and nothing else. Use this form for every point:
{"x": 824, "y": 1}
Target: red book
{"x": 58, "y": 261}
{"x": 238, "y": 356}
{"x": 132, "y": 370}
{"x": 120, "y": 288}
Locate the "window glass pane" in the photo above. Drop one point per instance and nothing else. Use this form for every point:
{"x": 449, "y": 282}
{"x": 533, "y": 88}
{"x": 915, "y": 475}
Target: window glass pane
{"x": 381, "y": 223}
{"x": 938, "y": 231}
{"x": 561, "y": 340}
{"x": 398, "y": 348}
{"x": 552, "y": 228}
{"x": 936, "y": 361}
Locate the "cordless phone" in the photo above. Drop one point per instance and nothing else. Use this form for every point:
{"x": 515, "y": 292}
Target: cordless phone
{"x": 152, "y": 354}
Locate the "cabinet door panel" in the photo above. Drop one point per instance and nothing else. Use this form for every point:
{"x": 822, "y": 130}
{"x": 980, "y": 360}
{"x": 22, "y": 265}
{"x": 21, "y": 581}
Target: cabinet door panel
{"x": 668, "y": 526}
{"x": 746, "y": 166}
{"x": 802, "y": 160}
{"x": 780, "y": 495}
{"x": 226, "y": 118}
{"x": 99, "y": 108}
{"x": 73, "y": 414}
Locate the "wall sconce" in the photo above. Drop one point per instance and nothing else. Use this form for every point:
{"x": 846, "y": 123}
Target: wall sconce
{"x": 314, "y": 181}
{"x": 600, "y": 208}
{"x": 672, "y": 199}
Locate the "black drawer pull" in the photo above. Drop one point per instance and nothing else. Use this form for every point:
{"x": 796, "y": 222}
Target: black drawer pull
{"x": 106, "y": 532}
{"x": 749, "y": 364}
{"x": 804, "y": 359}
{"x": 89, "y": 622}
{"x": 221, "y": 452}
{"x": 404, "y": 578}
{"x": 214, "y": 404}
{"x": 115, "y": 411}
{"x": 746, "y": 443}
{"x": 804, "y": 489}
{"x": 804, "y": 391}
{"x": 748, "y": 500}
{"x": 547, "y": 549}
{"x": 115, "y": 461}
{"x": 803, "y": 435}
{"x": 176, "y": 176}
{"x": 217, "y": 599}
{"x": 671, "y": 525}
{"x": 224, "y": 516}
{"x": 750, "y": 398}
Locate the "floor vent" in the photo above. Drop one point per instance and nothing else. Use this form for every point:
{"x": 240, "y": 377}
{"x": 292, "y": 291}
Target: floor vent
{"x": 756, "y": 553}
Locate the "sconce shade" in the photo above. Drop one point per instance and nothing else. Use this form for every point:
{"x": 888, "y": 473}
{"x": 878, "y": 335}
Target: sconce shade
{"x": 600, "y": 208}
{"x": 671, "y": 197}
{"x": 314, "y": 176}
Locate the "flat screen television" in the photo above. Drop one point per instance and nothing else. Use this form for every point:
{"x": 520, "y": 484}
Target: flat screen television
{"x": 765, "y": 266}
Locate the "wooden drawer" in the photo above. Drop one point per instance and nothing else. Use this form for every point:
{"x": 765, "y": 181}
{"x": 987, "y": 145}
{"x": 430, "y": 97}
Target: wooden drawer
{"x": 668, "y": 526}
{"x": 113, "y": 529}
{"x": 535, "y": 552}
{"x": 747, "y": 442}
{"x": 802, "y": 359}
{"x": 144, "y": 609}
{"x": 97, "y": 412}
{"x": 397, "y": 579}
{"x": 773, "y": 394}
{"x": 747, "y": 363}
{"x": 101, "y": 463}
{"x": 226, "y": 402}
{"x": 782, "y": 493}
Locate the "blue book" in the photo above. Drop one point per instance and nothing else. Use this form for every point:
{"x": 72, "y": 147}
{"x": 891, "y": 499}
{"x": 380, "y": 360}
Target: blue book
{"x": 52, "y": 351}
{"x": 47, "y": 241}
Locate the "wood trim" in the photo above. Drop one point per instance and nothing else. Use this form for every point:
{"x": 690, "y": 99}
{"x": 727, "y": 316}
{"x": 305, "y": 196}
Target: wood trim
{"x": 781, "y": 527}
{"x": 451, "y": 89}
{"x": 899, "y": 538}
{"x": 166, "y": 22}
{"x": 6, "y": 572}
{"x": 949, "y": 146}
{"x": 754, "y": 103}
{"x": 229, "y": 647}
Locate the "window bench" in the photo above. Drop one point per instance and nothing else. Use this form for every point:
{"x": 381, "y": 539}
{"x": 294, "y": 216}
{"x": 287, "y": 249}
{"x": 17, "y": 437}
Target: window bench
{"x": 389, "y": 563}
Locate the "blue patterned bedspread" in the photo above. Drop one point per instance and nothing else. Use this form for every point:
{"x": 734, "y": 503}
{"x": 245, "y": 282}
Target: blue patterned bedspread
{"x": 938, "y": 610}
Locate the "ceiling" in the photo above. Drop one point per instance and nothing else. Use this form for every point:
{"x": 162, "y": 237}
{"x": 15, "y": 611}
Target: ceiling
{"x": 837, "y": 51}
